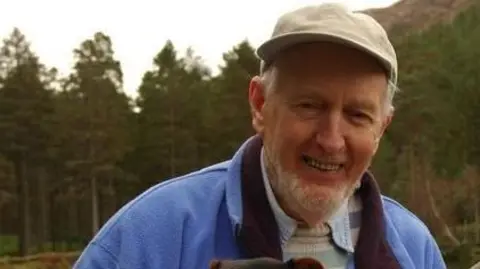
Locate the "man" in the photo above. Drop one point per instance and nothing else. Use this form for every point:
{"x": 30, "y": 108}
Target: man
{"x": 300, "y": 187}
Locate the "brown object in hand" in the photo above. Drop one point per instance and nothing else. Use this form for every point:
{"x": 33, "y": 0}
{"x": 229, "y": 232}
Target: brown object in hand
{"x": 267, "y": 263}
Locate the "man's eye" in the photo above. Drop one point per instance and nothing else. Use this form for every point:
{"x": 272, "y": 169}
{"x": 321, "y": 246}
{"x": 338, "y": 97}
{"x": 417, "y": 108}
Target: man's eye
{"x": 306, "y": 105}
{"x": 360, "y": 116}
{"x": 306, "y": 109}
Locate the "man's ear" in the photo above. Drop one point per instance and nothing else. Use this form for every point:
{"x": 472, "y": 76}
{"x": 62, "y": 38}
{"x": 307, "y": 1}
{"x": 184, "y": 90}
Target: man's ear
{"x": 385, "y": 123}
{"x": 388, "y": 119}
{"x": 256, "y": 98}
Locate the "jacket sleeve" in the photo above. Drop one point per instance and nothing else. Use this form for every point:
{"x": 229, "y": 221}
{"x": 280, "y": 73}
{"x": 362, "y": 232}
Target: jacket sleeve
{"x": 434, "y": 256}
{"x": 143, "y": 236}
{"x": 163, "y": 228}
{"x": 96, "y": 257}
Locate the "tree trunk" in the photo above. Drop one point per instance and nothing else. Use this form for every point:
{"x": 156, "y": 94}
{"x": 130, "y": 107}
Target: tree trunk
{"x": 23, "y": 206}
{"x": 43, "y": 196}
{"x": 477, "y": 222}
{"x": 53, "y": 225}
{"x": 94, "y": 199}
{"x": 172, "y": 140}
{"x": 474, "y": 187}
{"x": 476, "y": 266}
{"x": 111, "y": 198}
{"x": 412, "y": 175}
{"x": 476, "y": 205}
{"x": 436, "y": 213}
{"x": 74, "y": 220}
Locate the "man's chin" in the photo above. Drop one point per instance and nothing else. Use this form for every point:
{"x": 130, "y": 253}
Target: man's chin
{"x": 315, "y": 215}
{"x": 319, "y": 202}
{"x": 318, "y": 193}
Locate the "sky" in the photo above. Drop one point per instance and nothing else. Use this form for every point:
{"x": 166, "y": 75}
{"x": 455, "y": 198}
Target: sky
{"x": 140, "y": 28}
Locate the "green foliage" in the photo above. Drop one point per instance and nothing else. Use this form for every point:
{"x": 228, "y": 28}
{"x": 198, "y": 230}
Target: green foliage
{"x": 25, "y": 119}
{"x": 184, "y": 112}
{"x": 93, "y": 101}
{"x": 230, "y": 96}
{"x": 462, "y": 256}
{"x": 170, "y": 123}
{"x": 25, "y": 102}
{"x": 437, "y": 105}
{"x": 434, "y": 135}
{"x": 87, "y": 131}
{"x": 8, "y": 244}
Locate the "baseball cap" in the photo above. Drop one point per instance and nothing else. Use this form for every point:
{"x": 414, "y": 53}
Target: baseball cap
{"x": 330, "y": 22}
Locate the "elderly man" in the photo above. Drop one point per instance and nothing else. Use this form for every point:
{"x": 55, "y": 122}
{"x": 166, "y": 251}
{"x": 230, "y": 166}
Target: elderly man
{"x": 300, "y": 187}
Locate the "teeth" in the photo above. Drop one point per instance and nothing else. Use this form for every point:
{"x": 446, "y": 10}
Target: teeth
{"x": 320, "y": 165}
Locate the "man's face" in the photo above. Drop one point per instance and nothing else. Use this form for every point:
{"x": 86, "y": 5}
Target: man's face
{"x": 320, "y": 125}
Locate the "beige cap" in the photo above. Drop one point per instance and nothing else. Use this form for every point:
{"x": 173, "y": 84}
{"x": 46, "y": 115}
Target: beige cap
{"x": 333, "y": 23}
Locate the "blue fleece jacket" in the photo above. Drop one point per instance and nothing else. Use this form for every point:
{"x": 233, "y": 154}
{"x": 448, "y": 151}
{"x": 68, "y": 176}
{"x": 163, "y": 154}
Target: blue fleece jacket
{"x": 185, "y": 222}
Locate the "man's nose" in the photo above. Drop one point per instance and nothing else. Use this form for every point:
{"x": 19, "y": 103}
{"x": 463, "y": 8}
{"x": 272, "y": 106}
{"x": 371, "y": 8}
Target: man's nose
{"x": 330, "y": 135}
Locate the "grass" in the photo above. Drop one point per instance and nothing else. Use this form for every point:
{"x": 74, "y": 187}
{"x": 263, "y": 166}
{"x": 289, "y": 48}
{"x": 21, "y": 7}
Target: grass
{"x": 41, "y": 261}
{"x": 62, "y": 260}
{"x": 37, "y": 265}
{"x": 9, "y": 245}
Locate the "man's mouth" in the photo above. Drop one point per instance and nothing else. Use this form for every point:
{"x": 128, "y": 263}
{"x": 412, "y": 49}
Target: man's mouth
{"x": 320, "y": 165}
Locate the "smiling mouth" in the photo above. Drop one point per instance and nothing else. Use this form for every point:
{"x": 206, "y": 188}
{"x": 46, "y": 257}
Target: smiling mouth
{"x": 321, "y": 166}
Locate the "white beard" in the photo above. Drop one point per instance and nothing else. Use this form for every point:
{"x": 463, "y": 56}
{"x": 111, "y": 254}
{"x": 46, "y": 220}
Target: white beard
{"x": 319, "y": 201}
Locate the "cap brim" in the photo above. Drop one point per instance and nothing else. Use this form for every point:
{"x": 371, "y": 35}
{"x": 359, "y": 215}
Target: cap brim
{"x": 268, "y": 50}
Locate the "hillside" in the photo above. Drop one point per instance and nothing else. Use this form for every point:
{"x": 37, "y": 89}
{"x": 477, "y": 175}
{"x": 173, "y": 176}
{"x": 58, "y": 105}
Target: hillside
{"x": 419, "y": 14}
